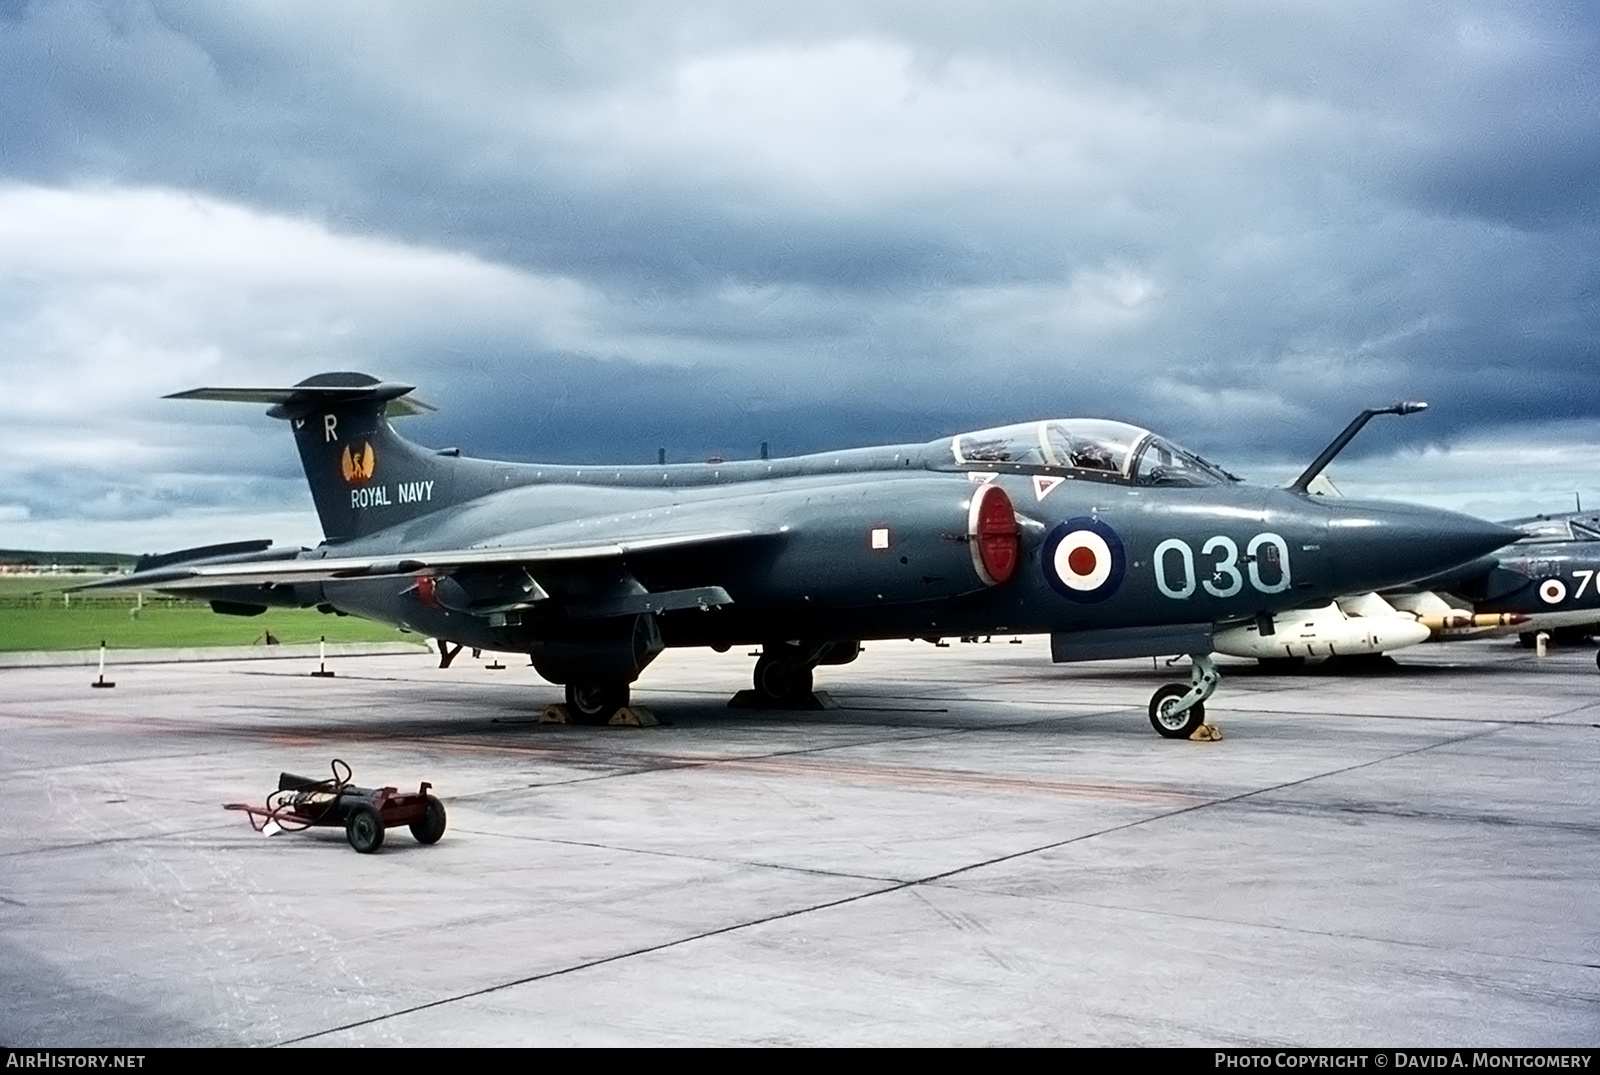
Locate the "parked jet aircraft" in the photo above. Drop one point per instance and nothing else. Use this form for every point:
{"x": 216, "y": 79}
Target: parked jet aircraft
{"x": 1111, "y": 539}
{"x": 1546, "y": 581}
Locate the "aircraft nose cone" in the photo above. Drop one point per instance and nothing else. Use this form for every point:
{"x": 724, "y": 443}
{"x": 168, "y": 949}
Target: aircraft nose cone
{"x": 1374, "y": 545}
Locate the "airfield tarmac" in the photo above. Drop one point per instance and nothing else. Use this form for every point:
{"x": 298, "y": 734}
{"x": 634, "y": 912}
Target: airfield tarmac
{"x": 977, "y": 848}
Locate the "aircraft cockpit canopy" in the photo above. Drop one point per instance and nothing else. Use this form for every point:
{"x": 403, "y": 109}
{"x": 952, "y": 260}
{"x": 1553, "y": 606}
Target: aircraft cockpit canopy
{"x": 1558, "y": 528}
{"x": 1093, "y": 448}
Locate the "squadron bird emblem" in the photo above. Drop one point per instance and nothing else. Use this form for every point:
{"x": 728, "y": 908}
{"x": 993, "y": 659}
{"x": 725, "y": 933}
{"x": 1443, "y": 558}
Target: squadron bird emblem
{"x": 357, "y": 467}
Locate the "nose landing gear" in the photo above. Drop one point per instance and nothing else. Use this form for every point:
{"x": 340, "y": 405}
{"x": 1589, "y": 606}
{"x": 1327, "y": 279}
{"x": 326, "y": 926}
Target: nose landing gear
{"x": 1179, "y": 712}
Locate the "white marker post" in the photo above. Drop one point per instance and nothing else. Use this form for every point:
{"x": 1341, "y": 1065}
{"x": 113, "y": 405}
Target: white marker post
{"x": 101, "y": 682}
{"x": 322, "y": 660}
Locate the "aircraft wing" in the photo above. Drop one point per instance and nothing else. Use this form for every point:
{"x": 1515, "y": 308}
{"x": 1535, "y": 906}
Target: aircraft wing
{"x": 257, "y": 572}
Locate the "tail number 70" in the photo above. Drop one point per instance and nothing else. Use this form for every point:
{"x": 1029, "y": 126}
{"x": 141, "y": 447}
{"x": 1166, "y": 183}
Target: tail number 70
{"x": 1174, "y": 563}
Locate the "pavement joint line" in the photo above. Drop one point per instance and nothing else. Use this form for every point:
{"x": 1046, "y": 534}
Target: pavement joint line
{"x": 1279, "y": 927}
{"x": 926, "y": 733}
{"x": 808, "y": 870}
{"x": 948, "y": 699}
{"x": 52, "y": 848}
{"x": 898, "y": 886}
{"x": 1303, "y": 716}
{"x": 597, "y": 962}
{"x": 1199, "y": 806}
{"x": 887, "y": 709}
{"x": 1576, "y": 827}
{"x": 828, "y": 905}
{"x": 10, "y": 773}
{"x": 1566, "y": 712}
{"x": 671, "y": 764}
{"x": 597, "y": 745}
{"x": 667, "y": 765}
{"x": 302, "y": 675}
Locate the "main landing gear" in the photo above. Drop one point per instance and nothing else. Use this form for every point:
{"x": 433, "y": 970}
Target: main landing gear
{"x": 782, "y": 677}
{"x": 595, "y": 703}
{"x": 1178, "y": 711}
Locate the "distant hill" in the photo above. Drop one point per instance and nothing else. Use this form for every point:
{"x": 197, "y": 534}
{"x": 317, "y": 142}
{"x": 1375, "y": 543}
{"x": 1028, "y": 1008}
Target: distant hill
{"x": 44, "y": 558}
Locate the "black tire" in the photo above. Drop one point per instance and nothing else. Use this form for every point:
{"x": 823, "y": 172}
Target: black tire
{"x": 1597, "y": 660}
{"x": 778, "y": 680}
{"x": 1527, "y": 639}
{"x": 595, "y": 703}
{"x": 431, "y": 827}
{"x": 1174, "y": 726}
{"x": 363, "y": 827}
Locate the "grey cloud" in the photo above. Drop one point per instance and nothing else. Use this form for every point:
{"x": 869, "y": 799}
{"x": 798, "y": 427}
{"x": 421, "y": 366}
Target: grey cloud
{"x": 1235, "y": 223}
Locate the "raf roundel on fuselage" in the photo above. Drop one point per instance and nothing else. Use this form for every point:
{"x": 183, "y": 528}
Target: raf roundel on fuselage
{"x": 1084, "y": 559}
{"x": 1086, "y": 448}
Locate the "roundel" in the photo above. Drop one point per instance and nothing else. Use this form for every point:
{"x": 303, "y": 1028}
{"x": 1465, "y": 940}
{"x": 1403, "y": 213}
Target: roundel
{"x": 1552, "y": 591}
{"x": 1084, "y": 560}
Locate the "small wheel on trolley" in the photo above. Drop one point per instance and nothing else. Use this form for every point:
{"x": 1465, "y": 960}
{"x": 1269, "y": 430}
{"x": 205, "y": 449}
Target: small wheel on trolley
{"x": 363, "y": 827}
{"x": 431, "y": 827}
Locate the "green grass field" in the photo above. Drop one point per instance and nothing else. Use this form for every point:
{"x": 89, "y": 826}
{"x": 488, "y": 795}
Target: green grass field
{"x": 35, "y": 614}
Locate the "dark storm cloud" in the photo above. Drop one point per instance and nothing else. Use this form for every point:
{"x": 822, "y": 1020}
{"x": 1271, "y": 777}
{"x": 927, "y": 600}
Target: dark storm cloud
{"x": 590, "y": 230}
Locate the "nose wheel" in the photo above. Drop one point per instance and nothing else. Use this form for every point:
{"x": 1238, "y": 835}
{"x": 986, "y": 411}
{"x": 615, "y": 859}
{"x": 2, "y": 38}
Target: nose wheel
{"x": 1178, "y": 711}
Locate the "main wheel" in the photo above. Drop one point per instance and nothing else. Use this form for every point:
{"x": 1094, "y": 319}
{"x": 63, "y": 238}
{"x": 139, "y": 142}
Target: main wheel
{"x": 778, "y": 680}
{"x": 431, "y": 827}
{"x": 363, "y": 827}
{"x": 594, "y": 703}
{"x": 1165, "y": 717}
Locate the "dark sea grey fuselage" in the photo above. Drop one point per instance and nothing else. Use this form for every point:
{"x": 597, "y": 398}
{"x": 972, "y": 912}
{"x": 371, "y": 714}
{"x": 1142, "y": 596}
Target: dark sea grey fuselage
{"x": 1104, "y": 532}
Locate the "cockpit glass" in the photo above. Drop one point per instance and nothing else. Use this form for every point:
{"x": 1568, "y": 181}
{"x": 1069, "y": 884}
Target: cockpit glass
{"x": 1088, "y": 448}
{"x": 1538, "y": 529}
{"x": 1098, "y": 447}
{"x": 1544, "y": 530}
{"x": 1164, "y": 463}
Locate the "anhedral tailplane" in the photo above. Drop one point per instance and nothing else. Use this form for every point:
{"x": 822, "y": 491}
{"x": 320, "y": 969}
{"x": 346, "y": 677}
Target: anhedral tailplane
{"x": 364, "y": 476}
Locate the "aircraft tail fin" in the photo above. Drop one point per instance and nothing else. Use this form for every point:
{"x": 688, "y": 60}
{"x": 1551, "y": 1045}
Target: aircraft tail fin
{"x": 363, "y": 475}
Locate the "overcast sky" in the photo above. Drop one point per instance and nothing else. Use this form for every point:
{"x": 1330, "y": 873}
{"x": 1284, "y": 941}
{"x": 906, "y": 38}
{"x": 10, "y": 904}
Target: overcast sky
{"x": 586, "y": 230}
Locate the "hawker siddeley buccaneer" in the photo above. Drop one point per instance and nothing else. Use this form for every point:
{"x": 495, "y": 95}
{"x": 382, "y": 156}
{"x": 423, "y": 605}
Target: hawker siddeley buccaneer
{"x": 1545, "y": 582}
{"x": 1112, "y": 540}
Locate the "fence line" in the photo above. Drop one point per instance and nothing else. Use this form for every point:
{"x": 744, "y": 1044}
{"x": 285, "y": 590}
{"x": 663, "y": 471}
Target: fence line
{"x": 69, "y": 601}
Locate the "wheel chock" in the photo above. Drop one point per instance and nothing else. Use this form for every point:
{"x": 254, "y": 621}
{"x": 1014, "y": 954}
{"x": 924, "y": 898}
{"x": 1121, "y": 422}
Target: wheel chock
{"x": 1206, "y": 733}
{"x": 633, "y": 716}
